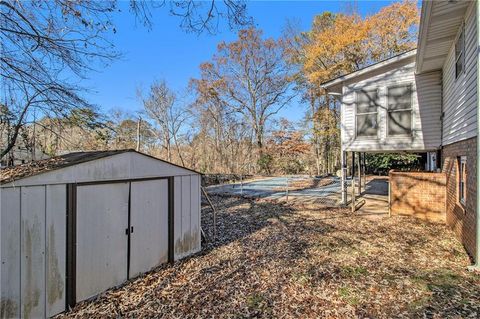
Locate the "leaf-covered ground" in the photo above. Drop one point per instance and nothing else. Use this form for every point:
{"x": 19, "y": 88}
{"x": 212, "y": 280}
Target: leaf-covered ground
{"x": 276, "y": 261}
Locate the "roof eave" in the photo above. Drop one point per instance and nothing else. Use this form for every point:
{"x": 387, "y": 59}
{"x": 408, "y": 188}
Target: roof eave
{"x": 422, "y": 33}
{"x": 338, "y": 81}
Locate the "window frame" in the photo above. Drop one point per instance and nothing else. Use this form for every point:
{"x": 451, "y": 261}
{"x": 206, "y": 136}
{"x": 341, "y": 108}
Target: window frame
{"x": 461, "y": 55}
{"x": 356, "y": 113}
{"x": 462, "y": 180}
{"x": 388, "y": 111}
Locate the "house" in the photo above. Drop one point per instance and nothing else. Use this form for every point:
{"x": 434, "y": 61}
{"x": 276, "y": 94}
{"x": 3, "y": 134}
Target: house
{"x": 425, "y": 101}
{"x": 78, "y": 224}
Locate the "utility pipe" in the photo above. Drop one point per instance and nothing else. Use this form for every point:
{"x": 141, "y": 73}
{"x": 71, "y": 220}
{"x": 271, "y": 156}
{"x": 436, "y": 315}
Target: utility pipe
{"x": 476, "y": 266}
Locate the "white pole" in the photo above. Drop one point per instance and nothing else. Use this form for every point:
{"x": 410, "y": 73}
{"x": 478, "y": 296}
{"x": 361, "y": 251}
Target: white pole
{"x": 343, "y": 177}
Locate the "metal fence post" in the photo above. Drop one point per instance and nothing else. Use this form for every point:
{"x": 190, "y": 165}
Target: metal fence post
{"x": 286, "y": 190}
{"x": 241, "y": 184}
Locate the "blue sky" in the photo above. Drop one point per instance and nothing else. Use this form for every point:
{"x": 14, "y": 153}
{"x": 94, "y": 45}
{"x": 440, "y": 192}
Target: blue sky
{"x": 168, "y": 52}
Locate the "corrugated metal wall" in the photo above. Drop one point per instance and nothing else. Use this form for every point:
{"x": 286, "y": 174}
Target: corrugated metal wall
{"x": 32, "y": 251}
{"x": 187, "y": 215}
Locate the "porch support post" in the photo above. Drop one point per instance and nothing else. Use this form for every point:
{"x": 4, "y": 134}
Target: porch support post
{"x": 364, "y": 164}
{"x": 359, "y": 161}
{"x": 353, "y": 182}
{"x": 343, "y": 181}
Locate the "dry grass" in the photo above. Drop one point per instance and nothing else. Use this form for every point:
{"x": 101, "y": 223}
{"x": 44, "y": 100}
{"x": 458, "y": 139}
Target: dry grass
{"x": 275, "y": 261}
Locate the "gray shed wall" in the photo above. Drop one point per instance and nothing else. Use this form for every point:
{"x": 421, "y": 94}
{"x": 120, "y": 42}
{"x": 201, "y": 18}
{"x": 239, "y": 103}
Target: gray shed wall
{"x": 33, "y": 232}
{"x": 32, "y": 251}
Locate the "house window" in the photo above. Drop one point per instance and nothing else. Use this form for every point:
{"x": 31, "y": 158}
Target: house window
{"x": 400, "y": 110}
{"x": 462, "y": 179}
{"x": 366, "y": 113}
{"x": 460, "y": 53}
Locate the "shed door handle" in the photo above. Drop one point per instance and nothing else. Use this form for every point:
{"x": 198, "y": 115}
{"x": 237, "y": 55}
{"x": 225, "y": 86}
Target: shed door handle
{"x": 127, "y": 232}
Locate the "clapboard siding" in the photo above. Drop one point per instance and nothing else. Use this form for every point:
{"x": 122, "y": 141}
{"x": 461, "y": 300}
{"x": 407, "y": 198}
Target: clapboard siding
{"x": 460, "y": 95}
{"x": 426, "y": 104}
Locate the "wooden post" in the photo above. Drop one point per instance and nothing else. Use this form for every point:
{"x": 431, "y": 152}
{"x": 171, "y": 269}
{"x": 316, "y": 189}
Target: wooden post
{"x": 389, "y": 196}
{"x": 353, "y": 182}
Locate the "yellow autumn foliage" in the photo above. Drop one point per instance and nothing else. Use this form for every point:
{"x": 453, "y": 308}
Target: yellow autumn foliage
{"x": 342, "y": 43}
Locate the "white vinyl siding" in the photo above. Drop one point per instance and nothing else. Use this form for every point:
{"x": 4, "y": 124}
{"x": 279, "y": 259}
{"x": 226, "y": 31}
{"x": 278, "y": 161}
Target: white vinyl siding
{"x": 460, "y": 94}
{"x": 425, "y": 121}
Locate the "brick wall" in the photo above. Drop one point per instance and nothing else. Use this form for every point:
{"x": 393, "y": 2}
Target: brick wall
{"x": 418, "y": 194}
{"x": 461, "y": 218}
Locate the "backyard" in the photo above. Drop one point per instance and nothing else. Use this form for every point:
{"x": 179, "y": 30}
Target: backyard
{"x": 273, "y": 259}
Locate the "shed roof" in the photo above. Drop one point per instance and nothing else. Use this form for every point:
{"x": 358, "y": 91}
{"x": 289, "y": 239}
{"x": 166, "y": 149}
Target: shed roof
{"x": 13, "y": 173}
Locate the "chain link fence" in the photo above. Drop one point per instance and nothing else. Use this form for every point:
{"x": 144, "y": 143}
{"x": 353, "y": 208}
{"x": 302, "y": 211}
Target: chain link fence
{"x": 323, "y": 190}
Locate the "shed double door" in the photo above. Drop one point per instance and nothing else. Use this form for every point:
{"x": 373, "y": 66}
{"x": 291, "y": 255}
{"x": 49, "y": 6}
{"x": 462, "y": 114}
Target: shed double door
{"x": 121, "y": 232}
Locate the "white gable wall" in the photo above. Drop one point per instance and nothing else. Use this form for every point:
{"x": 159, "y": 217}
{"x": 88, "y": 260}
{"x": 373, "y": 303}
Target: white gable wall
{"x": 460, "y": 95}
{"x": 426, "y": 128}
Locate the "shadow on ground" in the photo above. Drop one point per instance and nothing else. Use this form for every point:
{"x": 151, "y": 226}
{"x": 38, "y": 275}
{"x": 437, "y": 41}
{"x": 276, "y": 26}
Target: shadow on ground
{"x": 275, "y": 260}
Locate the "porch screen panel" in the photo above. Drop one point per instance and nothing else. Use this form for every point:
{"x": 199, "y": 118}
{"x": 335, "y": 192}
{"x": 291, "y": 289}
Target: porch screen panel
{"x": 400, "y": 110}
{"x": 366, "y": 113}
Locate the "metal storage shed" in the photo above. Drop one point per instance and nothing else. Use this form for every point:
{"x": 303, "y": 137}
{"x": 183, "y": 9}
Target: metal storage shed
{"x": 75, "y": 225}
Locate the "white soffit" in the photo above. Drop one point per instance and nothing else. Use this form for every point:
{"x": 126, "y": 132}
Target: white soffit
{"x": 439, "y": 23}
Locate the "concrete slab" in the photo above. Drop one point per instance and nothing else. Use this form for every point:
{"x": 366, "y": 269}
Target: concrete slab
{"x": 376, "y": 197}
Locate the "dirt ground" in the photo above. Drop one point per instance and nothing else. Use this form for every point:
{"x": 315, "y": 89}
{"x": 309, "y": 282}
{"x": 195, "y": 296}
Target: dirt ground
{"x": 276, "y": 261}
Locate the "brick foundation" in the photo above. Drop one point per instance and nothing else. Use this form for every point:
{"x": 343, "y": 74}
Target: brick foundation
{"x": 418, "y": 194}
{"x": 461, "y": 218}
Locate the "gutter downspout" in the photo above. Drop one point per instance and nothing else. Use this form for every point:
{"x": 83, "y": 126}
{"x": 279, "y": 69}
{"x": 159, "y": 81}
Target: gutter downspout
{"x": 476, "y": 266}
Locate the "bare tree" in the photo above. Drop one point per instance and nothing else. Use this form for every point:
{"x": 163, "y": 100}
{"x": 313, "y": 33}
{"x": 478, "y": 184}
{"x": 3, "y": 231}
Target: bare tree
{"x": 249, "y": 77}
{"x": 161, "y": 106}
{"x": 47, "y": 46}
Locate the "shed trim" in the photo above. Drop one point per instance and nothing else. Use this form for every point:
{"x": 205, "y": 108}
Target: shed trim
{"x": 171, "y": 220}
{"x": 71, "y": 247}
{"x": 63, "y": 161}
{"x": 71, "y": 215}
